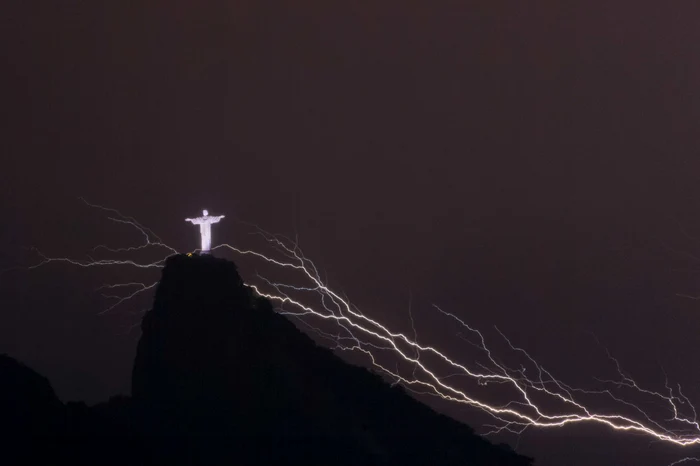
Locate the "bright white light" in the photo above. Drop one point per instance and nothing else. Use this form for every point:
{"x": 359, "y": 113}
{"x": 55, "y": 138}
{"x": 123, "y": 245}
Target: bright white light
{"x": 204, "y": 223}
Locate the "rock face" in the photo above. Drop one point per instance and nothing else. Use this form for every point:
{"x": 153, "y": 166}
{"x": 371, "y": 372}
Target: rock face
{"x": 217, "y": 362}
{"x": 191, "y": 346}
{"x": 220, "y": 378}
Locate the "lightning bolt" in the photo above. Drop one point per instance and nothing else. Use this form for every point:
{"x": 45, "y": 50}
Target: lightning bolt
{"x": 132, "y": 289}
{"x": 532, "y": 397}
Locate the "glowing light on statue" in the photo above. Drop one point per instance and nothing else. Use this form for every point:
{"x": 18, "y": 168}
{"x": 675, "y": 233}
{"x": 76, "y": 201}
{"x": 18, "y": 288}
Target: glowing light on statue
{"x": 532, "y": 396}
{"x": 204, "y": 223}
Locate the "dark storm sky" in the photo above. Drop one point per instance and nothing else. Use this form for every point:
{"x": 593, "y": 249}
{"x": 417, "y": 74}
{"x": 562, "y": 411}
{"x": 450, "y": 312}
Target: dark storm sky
{"x": 531, "y": 165}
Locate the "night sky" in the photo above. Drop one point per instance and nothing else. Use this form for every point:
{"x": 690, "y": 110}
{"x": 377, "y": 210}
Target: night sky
{"x": 529, "y": 165}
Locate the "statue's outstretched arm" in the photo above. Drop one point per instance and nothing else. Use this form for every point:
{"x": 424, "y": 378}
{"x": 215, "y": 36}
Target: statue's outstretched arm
{"x": 189, "y": 220}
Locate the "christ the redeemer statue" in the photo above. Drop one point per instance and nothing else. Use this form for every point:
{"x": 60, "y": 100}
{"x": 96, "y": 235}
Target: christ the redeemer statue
{"x": 204, "y": 223}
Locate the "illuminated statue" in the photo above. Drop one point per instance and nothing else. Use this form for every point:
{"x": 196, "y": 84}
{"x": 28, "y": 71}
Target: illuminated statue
{"x": 204, "y": 223}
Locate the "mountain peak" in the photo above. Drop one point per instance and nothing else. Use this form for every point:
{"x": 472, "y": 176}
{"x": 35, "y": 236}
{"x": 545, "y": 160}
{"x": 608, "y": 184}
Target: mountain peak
{"x": 215, "y": 358}
{"x": 221, "y": 378}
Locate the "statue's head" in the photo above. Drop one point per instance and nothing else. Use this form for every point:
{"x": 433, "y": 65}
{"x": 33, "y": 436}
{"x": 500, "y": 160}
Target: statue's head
{"x": 205, "y": 212}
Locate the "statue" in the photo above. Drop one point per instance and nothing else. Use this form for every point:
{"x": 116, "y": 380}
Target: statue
{"x": 204, "y": 223}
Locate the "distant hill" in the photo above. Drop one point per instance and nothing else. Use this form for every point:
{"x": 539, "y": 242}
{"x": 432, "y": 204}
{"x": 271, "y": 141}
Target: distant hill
{"x": 220, "y": 378}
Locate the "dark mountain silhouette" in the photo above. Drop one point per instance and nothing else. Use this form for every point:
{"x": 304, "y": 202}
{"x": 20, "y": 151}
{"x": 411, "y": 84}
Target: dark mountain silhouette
{"x": 220, "y": 378}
